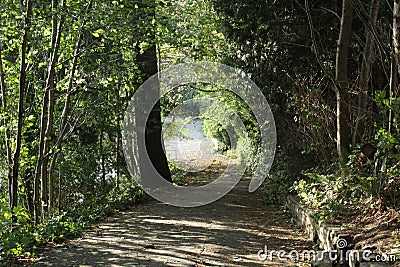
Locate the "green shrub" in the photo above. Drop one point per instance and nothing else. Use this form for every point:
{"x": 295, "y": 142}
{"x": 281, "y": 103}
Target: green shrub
{"x": 22, "y": 238}
{"x": 372, "y": 183}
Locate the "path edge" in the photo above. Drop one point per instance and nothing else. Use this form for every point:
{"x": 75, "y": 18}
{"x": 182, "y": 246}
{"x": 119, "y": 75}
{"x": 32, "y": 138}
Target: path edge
{"x": 323, "y": 234}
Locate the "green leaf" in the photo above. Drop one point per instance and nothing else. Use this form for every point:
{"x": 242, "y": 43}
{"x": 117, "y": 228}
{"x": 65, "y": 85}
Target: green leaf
{"x": 98, "y": 32}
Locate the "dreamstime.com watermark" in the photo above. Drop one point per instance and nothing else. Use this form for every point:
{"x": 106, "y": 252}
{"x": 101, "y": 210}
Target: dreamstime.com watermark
{"x": 330, "y": 255}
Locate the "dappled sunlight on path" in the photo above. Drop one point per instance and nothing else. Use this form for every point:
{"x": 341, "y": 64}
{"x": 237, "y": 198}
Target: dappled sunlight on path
{"x": 228, "y": 232}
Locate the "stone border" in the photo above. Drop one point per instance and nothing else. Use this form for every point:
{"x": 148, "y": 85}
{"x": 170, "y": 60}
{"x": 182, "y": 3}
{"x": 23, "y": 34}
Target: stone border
{"x": 321, "y": 233}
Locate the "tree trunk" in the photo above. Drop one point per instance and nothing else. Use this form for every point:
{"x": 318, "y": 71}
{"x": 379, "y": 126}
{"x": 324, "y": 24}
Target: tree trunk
{"x": 392, "y": 89}
{"x": 342, "y": 92}
{"x": 22, "y": 88}
{"x": 103, "y": 161}
{"x": 50, "y": 121}
{"x": 37, "y": 186}
{"x": 47, "y": 197}
{"x": 363, "y": 95}
{"x": 147, "y": 63}
{"x": 118, "y": 138}
{"x": 65, "y": 112}
{"x": 7, "y": 131}
{"x": 395, "y": 59}
{"x": 396, "y": 29}
{"x": 47, "y": 119}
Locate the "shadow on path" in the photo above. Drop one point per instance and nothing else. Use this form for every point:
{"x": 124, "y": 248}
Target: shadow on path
{"x": 228, "y": 232}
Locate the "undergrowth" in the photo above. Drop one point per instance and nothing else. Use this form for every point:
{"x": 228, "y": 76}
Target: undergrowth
{"x": 21, "y": 238}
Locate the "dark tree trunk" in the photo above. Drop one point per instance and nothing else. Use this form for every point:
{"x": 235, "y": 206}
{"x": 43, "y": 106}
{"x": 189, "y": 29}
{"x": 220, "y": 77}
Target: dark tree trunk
{"x": 342, "y": 92}
{"x": 395, "y": 60}
{"x": 147, "y": 63}
{"x": 22, "y": 88}
{"x": 364, "y": 94}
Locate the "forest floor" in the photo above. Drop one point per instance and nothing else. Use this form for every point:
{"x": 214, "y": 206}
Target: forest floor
{"x": 228, "y": 232}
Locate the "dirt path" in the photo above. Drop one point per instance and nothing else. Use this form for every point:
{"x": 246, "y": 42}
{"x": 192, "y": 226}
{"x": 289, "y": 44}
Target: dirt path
{"x": 228, "y": 232}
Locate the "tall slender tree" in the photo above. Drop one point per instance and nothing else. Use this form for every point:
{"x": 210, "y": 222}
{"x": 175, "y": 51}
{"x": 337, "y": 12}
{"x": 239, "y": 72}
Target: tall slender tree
{"x": 4, "y": 106}
{"x": 67, "y": 102}
{"x": 342, "y": 91}
{"x": 368, "y": 56}
{"x": 395, "y": 61}
{"x": 21, "y": 98}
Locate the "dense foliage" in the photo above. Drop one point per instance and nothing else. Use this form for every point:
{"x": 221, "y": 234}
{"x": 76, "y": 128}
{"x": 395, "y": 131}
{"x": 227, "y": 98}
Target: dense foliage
{"x": 68, "y": 69}
{"x": 291, "y": 50}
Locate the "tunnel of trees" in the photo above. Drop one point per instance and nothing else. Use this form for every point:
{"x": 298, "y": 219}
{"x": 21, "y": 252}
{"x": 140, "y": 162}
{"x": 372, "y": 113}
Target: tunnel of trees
{"x": 68, "y": 68}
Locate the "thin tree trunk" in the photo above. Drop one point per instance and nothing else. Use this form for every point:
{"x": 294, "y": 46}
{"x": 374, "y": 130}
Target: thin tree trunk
{"x": 342, "y": 100}
{"x": 395, "y": 60}
{"x": 49, "y": 128}
{"x": 117, "y": 156}
{"x": 392, "y": 89}
{"x": 363, "y": 95}
{"x": 22, "y": 88}
{"x": 52, "y": 180}
{"x": 65, "y": 112}
{"x": 118, "y": 138}
{"x": 60, "y": 181}
{"x": 47, "y": 197}
{"x": 103, "y": 161}
{"x": 36, "y": 192}
{"x": 396, "y": 29}
{"x": 47, "y": 118}
{"x": 7, "y": 132}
